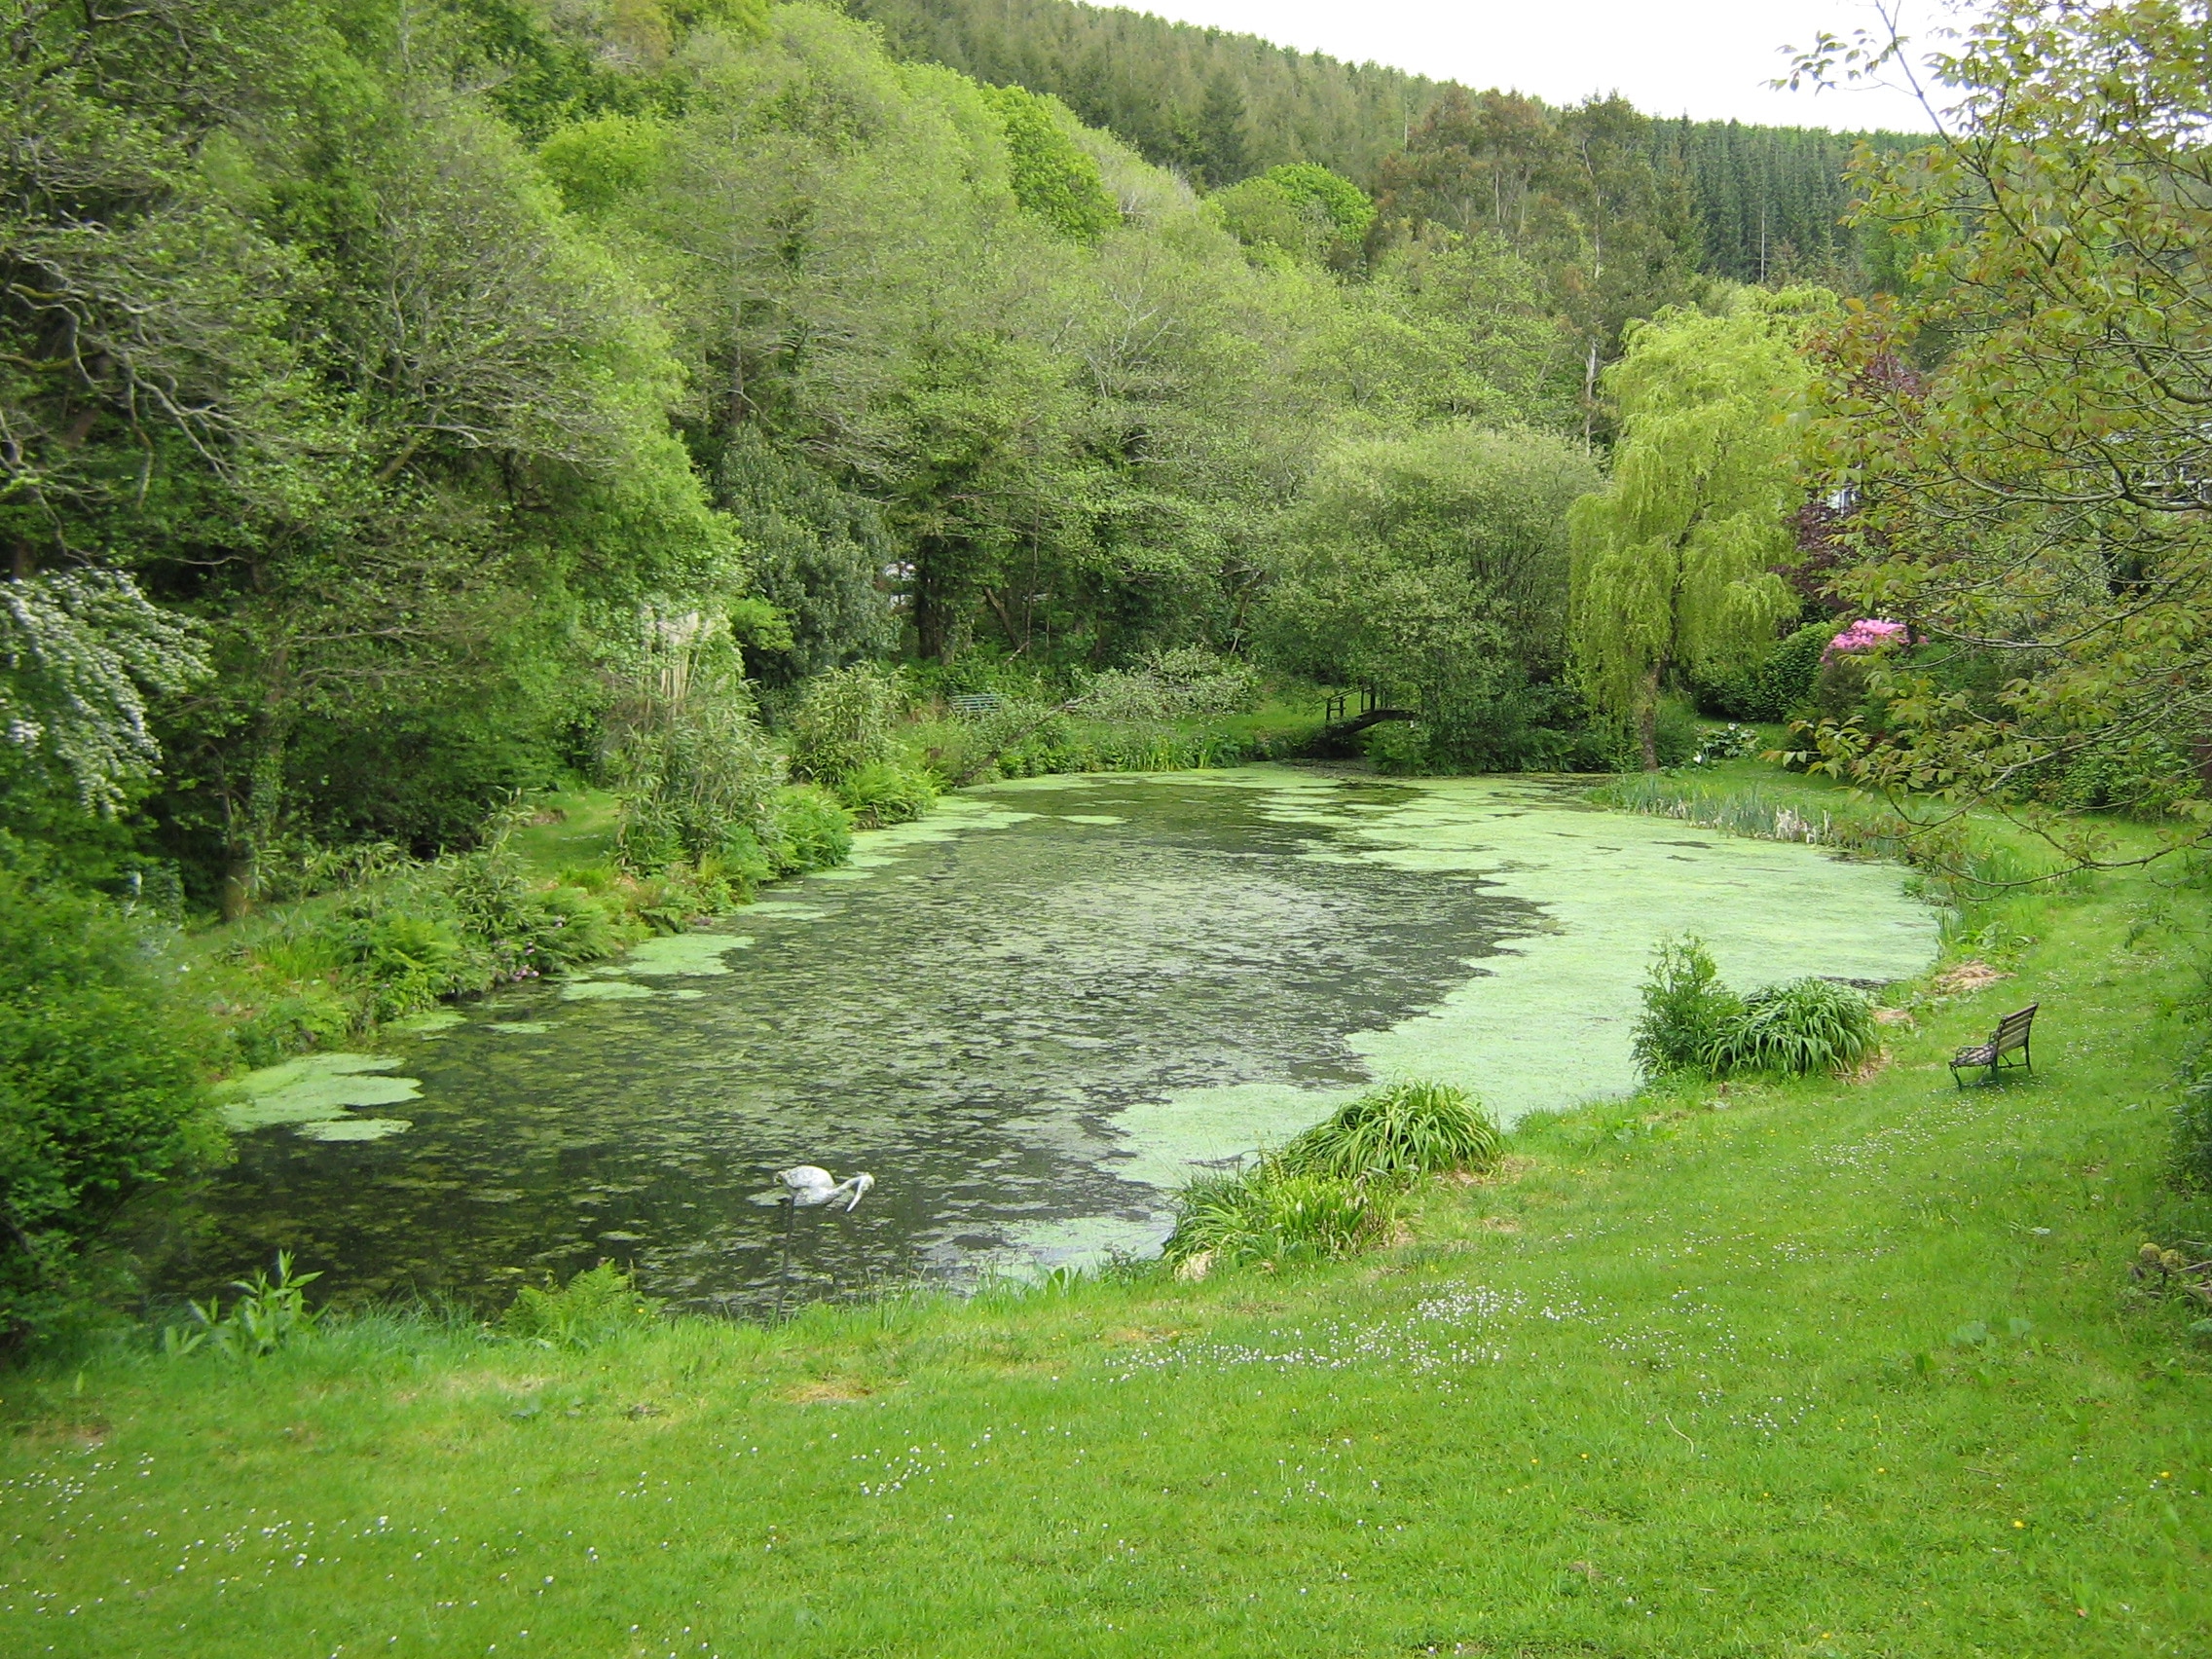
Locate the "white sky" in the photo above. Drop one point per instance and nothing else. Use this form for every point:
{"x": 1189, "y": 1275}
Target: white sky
{"x": 1708, "y": 59}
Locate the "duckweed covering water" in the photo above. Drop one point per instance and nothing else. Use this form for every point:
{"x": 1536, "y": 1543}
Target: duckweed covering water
{"x": 1030, "y": 1016}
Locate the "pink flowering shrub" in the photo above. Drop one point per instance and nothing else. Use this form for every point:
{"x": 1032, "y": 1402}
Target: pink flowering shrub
{"x": 1868, "y": 633}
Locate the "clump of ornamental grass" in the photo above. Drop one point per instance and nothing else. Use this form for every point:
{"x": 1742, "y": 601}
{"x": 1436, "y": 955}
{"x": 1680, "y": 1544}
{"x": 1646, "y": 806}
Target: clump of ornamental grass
{"x": 1338, "y": 1189}
{"x": 1402, "y": 1131}
{"x": 1693, "y": 1022}
{"x": 1273, "y": 1217}
{"x": 1806, "y": 1026}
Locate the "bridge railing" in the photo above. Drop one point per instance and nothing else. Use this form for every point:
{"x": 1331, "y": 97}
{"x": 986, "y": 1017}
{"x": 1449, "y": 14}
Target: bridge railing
{"x": 1338, "y": 706}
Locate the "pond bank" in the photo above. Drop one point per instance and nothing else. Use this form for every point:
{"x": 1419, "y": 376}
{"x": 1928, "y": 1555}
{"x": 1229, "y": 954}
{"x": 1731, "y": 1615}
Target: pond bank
{"x": 1031, "y": 1015}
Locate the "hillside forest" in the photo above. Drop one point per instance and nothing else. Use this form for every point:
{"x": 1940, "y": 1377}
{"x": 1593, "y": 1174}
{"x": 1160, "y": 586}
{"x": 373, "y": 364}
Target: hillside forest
{"x": 392, "y": 391}
{"x": 405, "y": 408}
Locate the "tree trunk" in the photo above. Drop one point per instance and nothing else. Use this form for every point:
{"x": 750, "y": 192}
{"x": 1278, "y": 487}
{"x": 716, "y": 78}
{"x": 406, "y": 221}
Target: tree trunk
{"x": 1015, "y": 641}
{"x": 939, "y": 596}
{"x": 1589, "y": 401}
{"x": 251, "y": 830}
{"x": 237, "y": 879}
{"x": 1647, "y": 718}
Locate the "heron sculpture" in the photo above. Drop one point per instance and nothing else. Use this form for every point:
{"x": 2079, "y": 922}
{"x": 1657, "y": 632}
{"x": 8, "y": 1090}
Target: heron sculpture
{"x": 810, "y": 1186}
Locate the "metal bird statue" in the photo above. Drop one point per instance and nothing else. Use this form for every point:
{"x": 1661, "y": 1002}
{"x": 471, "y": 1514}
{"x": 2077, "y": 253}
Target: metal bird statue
{"x": 812, "y": 1185}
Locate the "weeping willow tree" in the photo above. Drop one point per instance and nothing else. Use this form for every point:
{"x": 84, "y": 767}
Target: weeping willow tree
{"x": 1674, "y": 562}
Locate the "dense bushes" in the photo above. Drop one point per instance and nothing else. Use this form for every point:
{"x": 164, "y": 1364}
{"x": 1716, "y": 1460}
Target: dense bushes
{"x": 1687, "y": 1008}
{"x": 1162, "y": 713}
{"x": 1525, "y": 728}
{"x": 1693, "y": 1022}
{"x": 841, "y": 737}
{"x": 1778, "y": 685}
{"x": 102, "y": 1086}
{"x": 1063, "y": 743}
{"x": 1336, "y": 1189}
{"x": 385, "y": 940}
{"x": 389, "y": 942}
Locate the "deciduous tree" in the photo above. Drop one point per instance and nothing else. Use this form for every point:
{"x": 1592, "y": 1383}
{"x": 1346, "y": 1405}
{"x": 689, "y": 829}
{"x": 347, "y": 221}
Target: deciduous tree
{"x": 2026, "y": 431}
{"x": 1674, "y": 560}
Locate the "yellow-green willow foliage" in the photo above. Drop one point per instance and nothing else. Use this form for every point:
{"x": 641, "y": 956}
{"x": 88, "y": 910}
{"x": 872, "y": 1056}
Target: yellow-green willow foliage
{"x": 1673, "y": 560}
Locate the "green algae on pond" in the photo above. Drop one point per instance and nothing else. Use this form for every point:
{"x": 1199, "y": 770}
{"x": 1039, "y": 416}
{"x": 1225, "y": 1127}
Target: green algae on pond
{"x": 310, "y": 1095}
{"x": 1031, "y": 1015}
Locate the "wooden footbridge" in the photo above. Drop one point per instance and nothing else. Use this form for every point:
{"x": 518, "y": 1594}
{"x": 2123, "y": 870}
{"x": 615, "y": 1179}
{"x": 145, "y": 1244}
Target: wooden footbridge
{"x": 1341, "y": 723}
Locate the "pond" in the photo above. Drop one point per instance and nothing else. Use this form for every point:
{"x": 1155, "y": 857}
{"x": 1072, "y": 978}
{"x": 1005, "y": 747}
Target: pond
{"x": 1029, "y": 1016}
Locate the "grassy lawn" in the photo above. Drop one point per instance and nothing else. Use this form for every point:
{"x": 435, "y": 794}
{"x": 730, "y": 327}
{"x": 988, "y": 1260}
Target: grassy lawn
{"x": 570, "y": 828}
{"x": 1280, "y": 724}
{"x": 1840, "y": 1368}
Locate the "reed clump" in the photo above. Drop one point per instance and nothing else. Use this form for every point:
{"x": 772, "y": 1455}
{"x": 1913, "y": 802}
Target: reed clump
{"x": 1338, "y": 1189}
{"x": 1693, "y": 1022}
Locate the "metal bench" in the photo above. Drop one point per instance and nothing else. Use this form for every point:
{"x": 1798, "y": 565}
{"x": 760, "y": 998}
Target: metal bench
{"x": 974, "y": 705}
{"x": 2011, "y": 1037}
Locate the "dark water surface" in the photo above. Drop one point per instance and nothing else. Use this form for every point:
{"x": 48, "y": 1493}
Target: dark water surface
{"x": 963, "y": 1017}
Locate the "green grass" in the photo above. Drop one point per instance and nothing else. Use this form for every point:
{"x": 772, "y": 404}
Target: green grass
{"x": 1802, "y": 1369}
{"x": 1283, "y": 724}
{"x": 570, "y": 828}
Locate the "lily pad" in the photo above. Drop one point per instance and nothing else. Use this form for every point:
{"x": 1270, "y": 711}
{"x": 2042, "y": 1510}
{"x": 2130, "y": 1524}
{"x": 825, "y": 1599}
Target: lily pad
{"x": 429, "y": 1021}
{"x": 1090, "y": 818}
{"x": 603, "y": 990}
{"x": 314, "y": 1089}
{"x": 687, "y": 954}
{"x": 521, "y": 1027}
{"x": 353, "y": 1129}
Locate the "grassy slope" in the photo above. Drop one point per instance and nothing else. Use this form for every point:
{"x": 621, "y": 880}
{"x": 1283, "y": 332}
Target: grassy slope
{"x": 573, "y": 827}
{"x": 1280, "y": 724}
{"x": 1684, "y": 1383}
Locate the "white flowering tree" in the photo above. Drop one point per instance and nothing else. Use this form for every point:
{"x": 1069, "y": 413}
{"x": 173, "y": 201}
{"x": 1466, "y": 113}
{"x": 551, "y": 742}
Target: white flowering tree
{"x": 80, "y": 651}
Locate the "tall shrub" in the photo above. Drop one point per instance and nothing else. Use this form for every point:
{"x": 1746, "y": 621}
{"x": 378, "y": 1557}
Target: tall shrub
{"x": 843, "y": 722}
{"x": 101, "y": 1088}
{"x": 1778, "y": 685}
{"x": 1687, "y": 1008}
{"x": 697, "y": 779}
